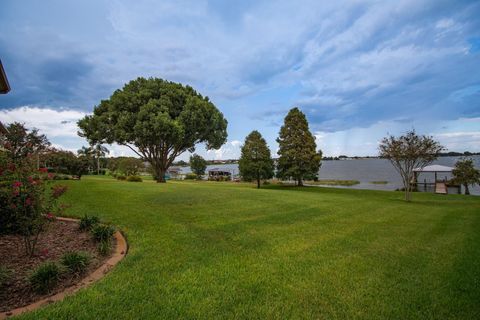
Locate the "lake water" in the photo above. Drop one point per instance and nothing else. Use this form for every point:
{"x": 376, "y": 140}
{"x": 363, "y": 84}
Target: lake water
{"x": 366, "y": 171}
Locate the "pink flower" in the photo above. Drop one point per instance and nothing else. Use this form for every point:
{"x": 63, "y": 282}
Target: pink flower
{"x": 43, "y": 170}
{"x": 28, "y": 202}
{"x": 50, "y": 216}
{"x": 50, "y": 175}
{"x": 44, "y": 252}
{"x": 15, "y": 192}
{"x": 17, "y": 184}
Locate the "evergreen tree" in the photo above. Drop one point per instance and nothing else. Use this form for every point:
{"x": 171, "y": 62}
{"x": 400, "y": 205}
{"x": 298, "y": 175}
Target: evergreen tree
{"x": 298, "y": 156}
{"x": 255, "y": 162}
{"x": 198, "y": 165}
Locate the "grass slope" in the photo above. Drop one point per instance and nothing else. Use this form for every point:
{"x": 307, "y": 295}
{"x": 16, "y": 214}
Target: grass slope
{"x": 203, "y": 250}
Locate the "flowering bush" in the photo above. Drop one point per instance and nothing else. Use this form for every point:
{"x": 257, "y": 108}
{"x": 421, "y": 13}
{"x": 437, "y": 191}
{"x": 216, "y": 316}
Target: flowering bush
{"x": 26, "y": 201}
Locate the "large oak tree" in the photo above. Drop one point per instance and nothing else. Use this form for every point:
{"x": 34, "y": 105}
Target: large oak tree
{"x": 156, "y": 119}
{"x": 298, "y": 157}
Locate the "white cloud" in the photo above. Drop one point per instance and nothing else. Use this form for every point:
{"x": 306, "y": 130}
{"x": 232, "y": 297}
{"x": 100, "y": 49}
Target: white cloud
{"x": 53, "y": 123}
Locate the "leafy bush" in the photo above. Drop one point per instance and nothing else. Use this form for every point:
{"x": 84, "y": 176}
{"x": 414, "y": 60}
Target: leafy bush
{"x": 76, "y": 262}
{"x": 134, "y": 179}
{"x": 88, "y": 222}
{"x": 120, "y": 177}
{"x": 190, "y": 176}
{"x": 4, "y": 275}
{"x": 26, "y": 201}
{"x": 103, "y": 232}
{"x": 45, "y": 277}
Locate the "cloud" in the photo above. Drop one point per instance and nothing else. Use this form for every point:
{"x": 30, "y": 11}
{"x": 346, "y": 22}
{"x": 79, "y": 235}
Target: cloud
{"x": 52, "y": 122}
{"x": 346, "y": 64}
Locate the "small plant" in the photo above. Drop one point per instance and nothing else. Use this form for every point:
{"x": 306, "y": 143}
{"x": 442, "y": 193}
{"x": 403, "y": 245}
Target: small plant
{"x": 45, "y": 277}
{"x": 76, "y": 262}
{"x": 120, "y": 177}
{"x": 103, "y": 232}
{"x": 88, "y": 222}
{"x": 104, "y": 247}
{"x": 5, "y": 275}
{"x": 190, "y": 176}
{"x": 134, "y": 179}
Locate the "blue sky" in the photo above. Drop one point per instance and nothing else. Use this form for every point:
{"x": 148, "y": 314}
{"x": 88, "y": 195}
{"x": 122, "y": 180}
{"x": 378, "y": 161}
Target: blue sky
{"x": 358, "y": 69}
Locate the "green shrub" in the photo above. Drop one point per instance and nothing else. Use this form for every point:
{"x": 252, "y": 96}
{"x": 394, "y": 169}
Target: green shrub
{"x": 134, "y": 179}
{"x": 45, "y": 277}
{"x": 76, "y": 262}
{"x": 190, "y": 176}
{"x": 120, "y": 177}
{"x": 103, "y": 232}
{"x": 88, "y": 222}
{"x": 5, "y": 275}
{"x": 104, "y": 247}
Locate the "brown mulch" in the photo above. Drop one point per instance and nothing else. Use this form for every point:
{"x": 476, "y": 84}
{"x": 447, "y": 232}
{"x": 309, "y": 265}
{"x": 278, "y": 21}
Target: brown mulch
{"x": 59, "y": 238}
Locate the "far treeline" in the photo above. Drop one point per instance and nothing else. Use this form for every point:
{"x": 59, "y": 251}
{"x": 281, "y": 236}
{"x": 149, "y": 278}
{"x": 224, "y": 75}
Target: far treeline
{"x": 159, "y": 120}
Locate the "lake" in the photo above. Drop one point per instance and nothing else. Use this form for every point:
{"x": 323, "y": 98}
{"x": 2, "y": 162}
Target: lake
{"x": 366, "y": 171}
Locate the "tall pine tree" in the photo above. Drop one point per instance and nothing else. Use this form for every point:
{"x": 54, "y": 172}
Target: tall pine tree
{"x": 298, "y": 157}
{"x": 255, "y": 162}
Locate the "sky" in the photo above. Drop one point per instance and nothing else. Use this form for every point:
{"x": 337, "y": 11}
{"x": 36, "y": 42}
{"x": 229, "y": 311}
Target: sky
{"x": 359, "y": 70}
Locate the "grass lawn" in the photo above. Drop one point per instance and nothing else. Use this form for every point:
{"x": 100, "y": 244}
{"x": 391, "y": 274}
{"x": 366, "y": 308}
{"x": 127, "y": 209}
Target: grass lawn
{"x": 203, "y": 250}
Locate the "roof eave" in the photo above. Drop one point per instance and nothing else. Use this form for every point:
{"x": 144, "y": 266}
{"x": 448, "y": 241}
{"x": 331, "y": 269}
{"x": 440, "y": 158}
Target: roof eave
{"x": 4, "y": 85}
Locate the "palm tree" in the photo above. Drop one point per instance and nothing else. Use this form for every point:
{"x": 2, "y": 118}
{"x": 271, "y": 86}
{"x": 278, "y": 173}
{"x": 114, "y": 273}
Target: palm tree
{"x": 99, "y": 151}
{"x": 86, "y": 152}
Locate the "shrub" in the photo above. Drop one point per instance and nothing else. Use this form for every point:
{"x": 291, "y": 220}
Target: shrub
{"x": 5, "y": 274}
{"x": 134, "y": 179}
{"x": 120, "y": 177}
{"x": 88, "y": 222}
{"x": 45, "y": 277}
{"x": 190, "y": 176}
{"x": 103, "y": 232}
{"x": 76, "y": 262}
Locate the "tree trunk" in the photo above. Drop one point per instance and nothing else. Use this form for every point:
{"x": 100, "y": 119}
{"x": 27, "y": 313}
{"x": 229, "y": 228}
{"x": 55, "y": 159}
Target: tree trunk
{"x": 300, "y": 182}
{"x": 258, "y": 183}
{"x": 160, "y": 174}
{"x": 98, "y": 166}
{"x": 467, "y": 191}
{"x": 406, "y": 184}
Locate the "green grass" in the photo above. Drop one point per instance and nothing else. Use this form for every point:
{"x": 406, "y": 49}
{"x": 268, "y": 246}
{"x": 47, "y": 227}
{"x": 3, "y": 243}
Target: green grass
{"x": 325, "y": 182}
{"x": 206, "y": 250}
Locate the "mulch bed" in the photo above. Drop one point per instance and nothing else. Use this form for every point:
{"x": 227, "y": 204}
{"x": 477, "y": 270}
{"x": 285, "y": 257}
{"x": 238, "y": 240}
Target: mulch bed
{"x": 59, "y": 238}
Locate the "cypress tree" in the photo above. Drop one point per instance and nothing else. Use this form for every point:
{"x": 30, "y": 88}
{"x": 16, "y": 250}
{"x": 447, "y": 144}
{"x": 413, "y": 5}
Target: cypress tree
{"x": 255, "y": 162}
{"x": 298, "y": 158}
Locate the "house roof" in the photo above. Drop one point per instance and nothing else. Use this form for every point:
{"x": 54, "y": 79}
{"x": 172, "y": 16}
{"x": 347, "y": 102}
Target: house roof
{"x": 4, "y": 85}
{"x": 434, "y": 168}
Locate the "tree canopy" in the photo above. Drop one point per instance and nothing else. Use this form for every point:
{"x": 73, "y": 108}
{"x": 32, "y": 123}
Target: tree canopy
{"x": 298, "y": 157}
{"x": 408, "y": 152}
{"x": 156, "y": 119}
{"x": 198, "y": 165}
{"x": 465, "y": 173}
{"x": 22, "y": 142}
{"x": 255, "y": 162}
